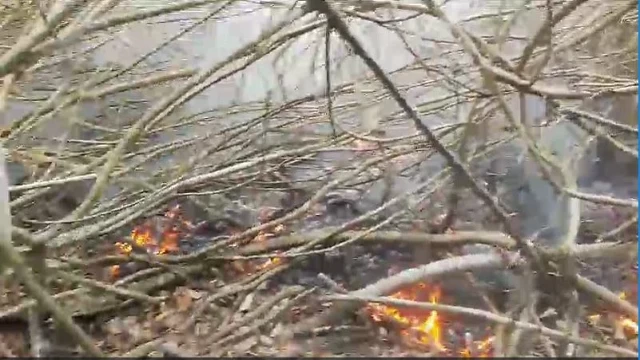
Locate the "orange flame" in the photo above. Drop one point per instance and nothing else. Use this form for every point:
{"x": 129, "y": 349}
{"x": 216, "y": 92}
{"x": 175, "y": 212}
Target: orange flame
{"x": 114, "y": 271}
{"x": 627, "y": 323}
{"x": 630, "y": 325}
{"x": 427, "y": 329}
{"x": 158, "y": 236}
{"x": 481, "y": 348}
{"x": 249, "y": 267}
{"x": 627, "y": 326}
{"x": 262, "y": 236}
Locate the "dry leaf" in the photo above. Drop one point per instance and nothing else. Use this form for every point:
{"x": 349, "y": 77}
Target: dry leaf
{"x": 239, "y": 266}
{"x": 278, "y": 229}
{"x": 114, "y": 326}
{"x": 195, "y": 295}
{"x": 183, "y": 299}
{"x": 163, "y": 315}
{"x": 174, "y": 320}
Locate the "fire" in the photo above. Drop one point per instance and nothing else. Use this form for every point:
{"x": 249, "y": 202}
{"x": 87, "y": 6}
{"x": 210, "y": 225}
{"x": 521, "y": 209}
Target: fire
{"x": 158, "y": 235}
{"x": 249, "y": 267}
{"x": 262, "y": 236}
{"x": 424, "y": 328}
{"x": 627, "y": 325}
{"x": 480, "y": 348}
{"x": 270, "y": 263}
{"x": 630, "y": 325}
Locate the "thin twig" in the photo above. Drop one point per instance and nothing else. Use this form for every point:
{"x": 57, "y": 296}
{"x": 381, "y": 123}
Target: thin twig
{"x": 486, "y": 315}
{"x": 12, "y": 258}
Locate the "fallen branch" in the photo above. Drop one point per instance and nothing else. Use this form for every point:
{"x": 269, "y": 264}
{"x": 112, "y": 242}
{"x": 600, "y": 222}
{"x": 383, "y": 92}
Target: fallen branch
{"x": 258, "y": 312}
{"x": 245, "y": 285}
{"x": 144, "y": 349}
{"x": 501, "y": 259}
{"x": 273, "y": 313}
{"x": 21, "y": 308}
{"x": 10, "y": 257}
{"x": 393, "y": 283}
{"x": 110, "y": 288}
{"x": 459, "y": 238}
{"x": 81, "y": 304}
{"x": 458, "y": 168}
{"x": 608, "y": 296}
{"x": 486, "y": 315}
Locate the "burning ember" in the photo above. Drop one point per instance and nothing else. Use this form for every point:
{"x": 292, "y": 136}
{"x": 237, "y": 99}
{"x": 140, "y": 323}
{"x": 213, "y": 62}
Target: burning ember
{"x": 626, "y": 323}
{"x": 159, "y": 235}
{"x": 162, "y": 235}
{"x": 425, "y": 327}
{"x": 623, "y": 326}
{"x": 250, "y": 267}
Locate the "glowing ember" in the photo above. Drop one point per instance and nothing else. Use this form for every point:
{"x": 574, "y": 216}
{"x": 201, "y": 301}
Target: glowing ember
{"x": 249, "y": 267}
{"x": 627, "y": 323}
{"x": 262, "y": 236}
{"x": 158, "y": 235}
{"x": 270, "y": 263}
{"x": 480, "y": 349}
{"x": 425, "y": 326}
{"x": 628, "y": 327}
{"x": 114, "y": 271}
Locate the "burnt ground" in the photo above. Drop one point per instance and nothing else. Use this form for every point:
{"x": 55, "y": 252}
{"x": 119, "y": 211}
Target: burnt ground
{"x": 159, "y": 328}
